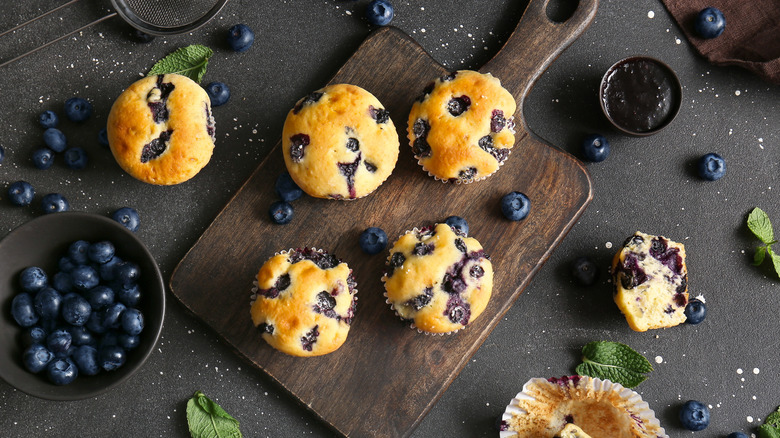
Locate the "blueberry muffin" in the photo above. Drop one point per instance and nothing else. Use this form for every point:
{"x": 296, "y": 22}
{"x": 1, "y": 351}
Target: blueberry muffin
{"x": 651, "y": 282}
{"x": 339, "y": 143}
{"x": 160, "y": 129}
{"x": 304, "y": 302}
{"x": 461, "y": 129}
{"x": 438, "y": 279}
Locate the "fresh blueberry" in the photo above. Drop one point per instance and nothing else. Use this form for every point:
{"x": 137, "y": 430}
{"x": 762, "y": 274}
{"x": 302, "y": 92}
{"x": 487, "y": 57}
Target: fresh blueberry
{"x": 77, "y": 109}
{"x": 76, "y": 158}
{"x": 695, "y": 311}
{"x": 34, "y": 335}
{"x": 585, "y": 271}
{"x": 218, "y": 92}
{"x": 112, "y": 316}
{"x": 111, "y": 357}
{"x": 710, "y": 23}
{"x": 48, "y": 119}
{"x": 62, "y": 282}
{"x": 128, "y": 217}
{"x": 75, "y": 309}
{"x": 379, "y": 12}
{"x": 103, "y": 137}
{"x": 95, "y": 322}
{"x": 36, "y": 357}
{"x": 43, "y": 158}
{"x": 737, "y": 435}
{"x": 458, "y": 224}
{"x": 373, "y": 240}
{"x": 694, "y": 415}
{"x": 59, "y": 341}
{"x": 128, "y": 342}
{"x": 66, "y": 264}
{"x": 100, "y": 296}
{"x": 85, "y": 277}
{"x": 54, "y": 203}
{"x": 86, "y": 358}
{"x": 712, "y": 166}
{"x": 106, "y": 270}
{"x": 110, "y": 338}
{"x": 132, "y": 321}
{"x": 21, "y": 193}
{"x": 23, "y": 311}
{"x": 127, "y": 273}
{"x": 55, "y": 139}
{"x": 515, "y": 206}
{"x": 62, "y": 371}
{"x": 77, "y": 252}
{"x": 281, "y": 212}
{"x": 595, "y": 148}
{"x": 48, "y": 303}
{"x": 100, "y": 252}
{"x": 80, "y": 335}
{"x": 128, "y": 294}
{"x": 33, "y": 279}
{"x": 286, "y": 188}
{"x": 240, "y": 37}
{"x": 2, "y": 154}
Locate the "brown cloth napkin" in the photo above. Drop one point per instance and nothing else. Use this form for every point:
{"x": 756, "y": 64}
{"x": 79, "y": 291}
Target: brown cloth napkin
{"x": 751, "y": 38}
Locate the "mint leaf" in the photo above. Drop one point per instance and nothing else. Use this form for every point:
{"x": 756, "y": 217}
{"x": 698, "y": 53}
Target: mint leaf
{"x": 190, "y": 61}
{"x": 207, "y": 419}
{"x": 614, "y": 361}
{"x": 758, "y": 222}
{"x": 758, "y": 258}
{"x": 773, "y": 419}
{"x": 767, "y": 431}
{"x": 775, "y": 259}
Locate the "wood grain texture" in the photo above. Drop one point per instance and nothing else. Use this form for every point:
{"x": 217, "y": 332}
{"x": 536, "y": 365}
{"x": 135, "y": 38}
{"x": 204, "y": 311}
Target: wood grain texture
{"x": 386, "y": 377}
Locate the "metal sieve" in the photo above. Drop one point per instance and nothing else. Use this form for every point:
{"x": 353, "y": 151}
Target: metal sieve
{"x": 154, "y": 17}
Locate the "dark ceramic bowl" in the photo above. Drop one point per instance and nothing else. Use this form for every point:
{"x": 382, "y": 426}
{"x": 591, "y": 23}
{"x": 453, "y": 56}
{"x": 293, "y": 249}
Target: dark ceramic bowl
{"x": 41, "y": 242}
{"x": 640, "y": 95}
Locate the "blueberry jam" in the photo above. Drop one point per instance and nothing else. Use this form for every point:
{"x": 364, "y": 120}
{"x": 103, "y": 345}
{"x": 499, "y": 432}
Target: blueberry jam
{"x": 308, "y": 340}
{"x": 640, "y": 95}
{"x": 458, "y": 311}
{"x": 157, "y": 99}
{"x": 421, "y": 300}
{"x": 458, "y": 105}
{"x": 420, "y": 147}
{"x": 156, "y": 147}
{"x": 348, "y": 170}
{"x": 308, "y": 100}
{"x": 381, "y": 115}
{"x": 297, "y": 144}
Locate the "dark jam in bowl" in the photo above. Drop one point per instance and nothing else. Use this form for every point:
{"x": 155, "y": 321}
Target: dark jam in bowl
{"x": 640, "y": 95}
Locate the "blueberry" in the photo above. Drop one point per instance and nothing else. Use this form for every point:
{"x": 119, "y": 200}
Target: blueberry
{"x": 111, "y": 357}
{"x": 281, "y": 212}
{"x": 595, "y": 148}
{"x": 2, "y": 154}
{"x": 710, "y": 23}
{"x": 100, "y": 296}
{"x": 85, "y": 277}
{"x": 107, "y": 269}
{"x": 373, "y": 240}
{"x": 110, "y": 338}
{"x": 62, "y": 282}
{"x": 240, "y": 37}
{"x": 737, "y": 435}
{"x": 515, "y": 206}
{"x": 55, "y": 139}
{"x": 129, "y": 294}
{"x": 77, "y": 109}
{"x": 127, "y": 273}
{"x": 712, "y": 166}
{"x": 95, "y": 322}
{"x": 695, "y": 311}
{"x": 43, "y": 158}
{"x": 66, "y": 264}
{"x": 128, "y": 217}
{"x": 76, "y": 158}
{"x": 54, "y": 203}
{"x": 34, "y": 335}
{"x": 102, "y": 137}
{"x": 59, "y": 341}
{"x": 23, "y": 311}
{"x": 132, "y": 321}
{"x": 62, "y": 371}
{"x": 36, "y": 357}
{"x": 585, "y": 271}
{"x": 458, "y": 224}
{"x": 48, "y": 303}
{"x": 86, "y": 359}
{"x": 75, "y": 309}
{"x": 48, "y": 119}
{"x": 21, "y": 193}
{"x": 80, "y": 335}
{"x": 694, "y": 415}
{"x": 286, "y": 188}
{"x": 218, "y": 92}
{"x": 33, "y": 279}
{"x": 128, "y": 342}
{"x": 379, "y": 12}
{"x": 100, "y": 252}
{"x": 77, "y": 251}
{"x": 112, "y": 316}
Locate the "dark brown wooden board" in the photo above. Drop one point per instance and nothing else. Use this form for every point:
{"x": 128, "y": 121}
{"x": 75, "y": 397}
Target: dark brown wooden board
{"x": 386, "y": 377}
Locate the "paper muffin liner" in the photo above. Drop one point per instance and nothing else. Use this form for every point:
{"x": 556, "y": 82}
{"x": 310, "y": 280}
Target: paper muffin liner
{"x": 542, "y": 400}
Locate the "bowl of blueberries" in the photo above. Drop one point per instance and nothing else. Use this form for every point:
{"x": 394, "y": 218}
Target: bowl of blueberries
{"x": 83, "y": 303}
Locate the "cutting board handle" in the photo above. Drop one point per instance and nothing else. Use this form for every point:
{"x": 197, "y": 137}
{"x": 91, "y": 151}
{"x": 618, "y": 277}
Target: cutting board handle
{"x": 535, "y": 43}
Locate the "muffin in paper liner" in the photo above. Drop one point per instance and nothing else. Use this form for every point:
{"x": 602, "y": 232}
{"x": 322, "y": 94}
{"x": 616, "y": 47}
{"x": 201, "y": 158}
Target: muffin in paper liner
{"x": 303, "y": 302}
{"x": 601, "y": 408}
{"x": 461, "y": 128}
{"x": 437, "y": 279}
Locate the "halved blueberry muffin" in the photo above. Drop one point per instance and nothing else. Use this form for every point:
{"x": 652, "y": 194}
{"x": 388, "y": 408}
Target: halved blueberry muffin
{"x": 437, "y": 279}
{"x": 161, "y": 130}
{"x": 339, "y": 143}
{"x": 304, "y": 302}
{"x": 461, "y": 128}
{"x": 651, "y": 281}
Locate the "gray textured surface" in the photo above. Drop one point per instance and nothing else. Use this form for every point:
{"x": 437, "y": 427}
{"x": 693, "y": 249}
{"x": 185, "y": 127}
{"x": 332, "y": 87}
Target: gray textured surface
{"x": 646, "y": 184}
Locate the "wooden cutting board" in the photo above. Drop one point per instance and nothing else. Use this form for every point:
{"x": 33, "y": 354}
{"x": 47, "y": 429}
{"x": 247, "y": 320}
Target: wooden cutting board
{"x": 386, "y": 377}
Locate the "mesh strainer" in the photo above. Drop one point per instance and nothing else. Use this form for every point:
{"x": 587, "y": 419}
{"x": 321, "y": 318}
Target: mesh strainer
{"x": 155, "y": 17}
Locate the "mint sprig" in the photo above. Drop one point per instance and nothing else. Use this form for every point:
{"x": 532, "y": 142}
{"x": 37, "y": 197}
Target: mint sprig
{"x": 190, "y": 61}
{"x": 613, "y": 361}
{"x": 771, "y": 426}
{"x": 207, "y": 419}
{"x": 759, "y": 224}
